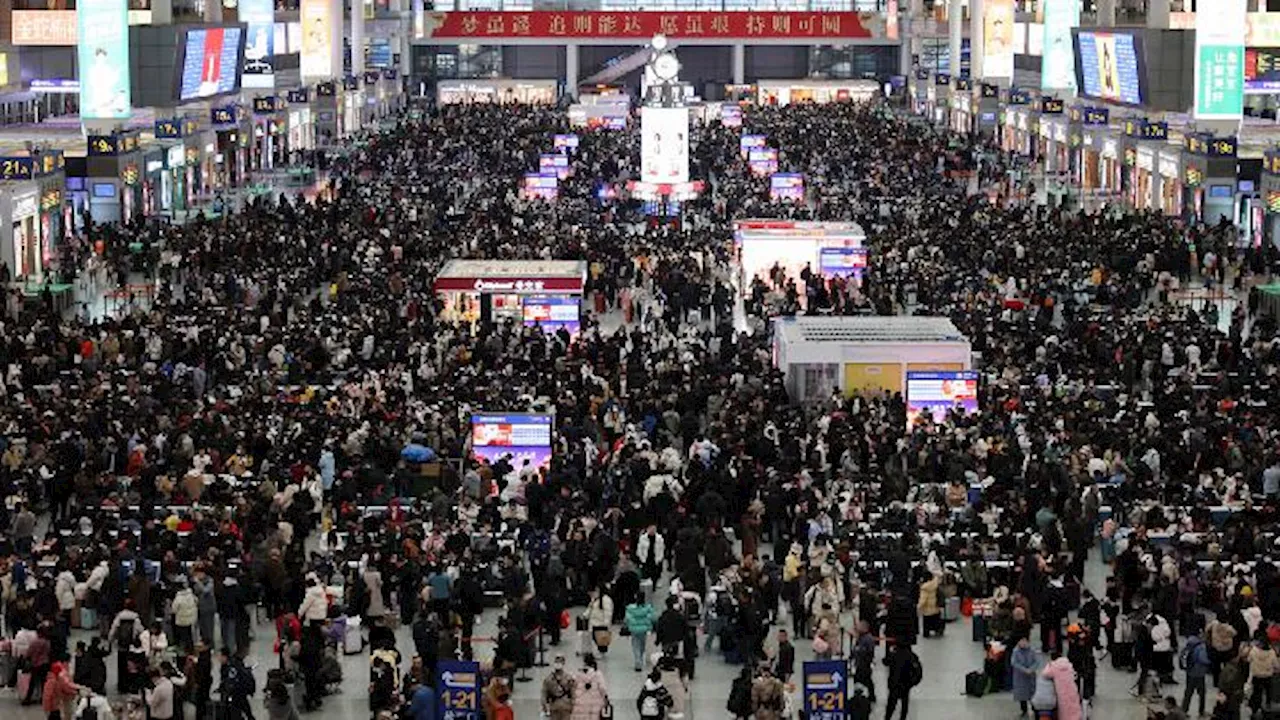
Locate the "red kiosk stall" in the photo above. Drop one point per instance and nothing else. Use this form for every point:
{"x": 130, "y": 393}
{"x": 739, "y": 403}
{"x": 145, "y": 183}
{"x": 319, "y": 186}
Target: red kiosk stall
{"x": 546, "y": 292}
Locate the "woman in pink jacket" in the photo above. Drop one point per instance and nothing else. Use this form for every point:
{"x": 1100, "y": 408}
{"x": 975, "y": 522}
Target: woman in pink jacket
{"x": 1063, "y": 675}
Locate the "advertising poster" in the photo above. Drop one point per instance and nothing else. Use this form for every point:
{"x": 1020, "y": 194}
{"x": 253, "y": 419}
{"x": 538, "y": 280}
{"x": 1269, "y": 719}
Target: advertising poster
{"x": 731, "y": 116}
{"x": 1219, "y": 76}
{"x": 935, "y": 393}
{"x": 103, "y": 59}
{"x": 786, "y": 186}
{"x": 554, "y": 164}
{"x": 458, "y": 689}
{"x": 564, "y": 142}
{"x": 997, "y": 39}
{"x": 826, "y": 685}
{"x": 763, "y": 162}
{"x": 1058, "y": 71}
{"x": 317, "y": 39}
{"x": 553, "y": 312}
{"x": 260, "y": 44}
{"x": 541, "y": 187}
{"x": 1110, "y": 68}
{"x": 747, "y": 143}
{"x": 842, "y": 261}
{"x": 210, "y": 63}
{"x": 664, "y": 145}
{"x": 521, "y": 435}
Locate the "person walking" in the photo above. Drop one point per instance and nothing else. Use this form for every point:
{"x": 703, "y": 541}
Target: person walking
{"x": 1263, "y": 664}
{"x": 237, "y": 685}
{"x": 1026, "y": 663}
{"x": 639, "y": 621}
{"x": 767, "y": 696}
{"x": 558, "y": 689}
{"x": 905, "y": 673}
{"x": 591, "y": 694}
{"x": 654, "y": 701}
{"x": 1196, "y": 661}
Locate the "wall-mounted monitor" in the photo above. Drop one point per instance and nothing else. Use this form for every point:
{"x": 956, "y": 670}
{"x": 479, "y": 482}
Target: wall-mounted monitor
{"x": 1111, "y": 66}
{"x": 209, "y": 62}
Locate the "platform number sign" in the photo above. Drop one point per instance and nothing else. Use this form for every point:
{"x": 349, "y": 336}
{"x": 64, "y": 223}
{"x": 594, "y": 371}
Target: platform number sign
{"x": 825, "y": 688}
{"x": 458, "y": 689}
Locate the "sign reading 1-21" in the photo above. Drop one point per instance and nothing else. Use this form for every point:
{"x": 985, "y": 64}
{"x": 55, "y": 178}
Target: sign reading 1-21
{"x": 458, "y": 690}
{"x": 825, "y": 688}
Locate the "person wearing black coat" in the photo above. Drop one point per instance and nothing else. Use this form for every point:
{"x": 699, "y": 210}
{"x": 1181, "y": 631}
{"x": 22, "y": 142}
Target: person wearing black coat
{"x": 785, "y": 662}
{"x": 91, "y": 666}
{"x": 671, "y": 626}
{"x": 901, "y": 624}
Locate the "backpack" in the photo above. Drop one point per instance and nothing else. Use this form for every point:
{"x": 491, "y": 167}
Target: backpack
{"x": 724, "y": 604}
{"x": 915, "y": 673}
{"x": 242, "y": 681}
{"x": 649, "y": 705}
{"x": 692, "y": 611}
{"x": 125, "y": 634}
{"x": 740, "y": 698}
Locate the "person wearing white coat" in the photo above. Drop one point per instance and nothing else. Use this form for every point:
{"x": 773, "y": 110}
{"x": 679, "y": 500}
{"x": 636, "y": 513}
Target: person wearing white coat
{"x": 64, "y": 589}
{"x": 1161, "y": 648}
{"x": 651, "y": 552}
{"x": 185, "y": 613}
{"x": 315, "y": 603}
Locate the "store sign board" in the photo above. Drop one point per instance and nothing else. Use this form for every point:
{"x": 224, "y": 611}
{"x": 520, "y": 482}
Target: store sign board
{"x": 50, "y": 28}
{"x": 509, "y": 285}
{"x": 1219, "y": 70}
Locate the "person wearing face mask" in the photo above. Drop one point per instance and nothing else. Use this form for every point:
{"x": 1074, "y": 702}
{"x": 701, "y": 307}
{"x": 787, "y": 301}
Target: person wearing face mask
{"x": 558, "y": 690}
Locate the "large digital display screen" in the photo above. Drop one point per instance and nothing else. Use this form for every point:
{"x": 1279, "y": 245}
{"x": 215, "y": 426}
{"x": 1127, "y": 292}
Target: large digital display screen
{"x": 1220, "y": 58}
{"x": 731, "y": 116}
{"x": 1109, "y": 66}
{"x": 842, "y": 261}
{"x": 935, "y": 393}
{"x": 553, "y": 313}
{"x": 786, "y": 186}
{"x": 554, "y": 164}
{"x": 997, "y": 39}
{"x": 565, "y": 142}
{"x": 747, "y": 143}
{"x": 542, "y": 187}
{"x": 763, "y": 161}
{"x": 1262, "y": 70}
{"x": 260, "y": 44}
{"x": 210, "y": 63}
{"x": 1058, "y": 68}
{"x": 102, "y": 58}
{"x": 317, "y": 59}
{"x": 664, "y": 145}
{"x": 523, "y": 436}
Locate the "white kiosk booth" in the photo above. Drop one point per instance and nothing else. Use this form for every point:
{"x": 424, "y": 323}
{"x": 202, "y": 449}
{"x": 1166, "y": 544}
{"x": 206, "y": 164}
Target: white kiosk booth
{"x": 871, "y": 355}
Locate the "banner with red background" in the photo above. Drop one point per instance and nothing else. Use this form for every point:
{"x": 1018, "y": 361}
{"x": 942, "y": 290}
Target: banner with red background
{"x": 644, "y": 25}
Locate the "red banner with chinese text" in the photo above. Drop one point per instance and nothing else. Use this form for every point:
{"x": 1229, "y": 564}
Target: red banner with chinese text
{"x": 644, "y": 25}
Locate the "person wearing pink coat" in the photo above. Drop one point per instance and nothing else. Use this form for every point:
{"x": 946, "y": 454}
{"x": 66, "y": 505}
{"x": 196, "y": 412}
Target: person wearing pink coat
{"x": 1063, "y": 675}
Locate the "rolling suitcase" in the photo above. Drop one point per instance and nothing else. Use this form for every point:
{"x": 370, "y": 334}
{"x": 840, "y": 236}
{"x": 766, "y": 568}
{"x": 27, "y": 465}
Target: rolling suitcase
{"x": 1121, "y": 655}
{"x": 975, "y": 684}
{"x": 88, "y": 618}
{"x": 352, "y": 639}
{"x": 979, "y": 628}
{"x": 951, "y": 609}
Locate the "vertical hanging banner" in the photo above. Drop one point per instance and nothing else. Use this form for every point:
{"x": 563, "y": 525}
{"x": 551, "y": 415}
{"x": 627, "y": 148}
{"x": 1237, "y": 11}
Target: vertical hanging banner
{"x": 259, "y": 48}
{"x": 102, "y": 56}
{"x": 1058, "y": 71}
{"x": 997, "y": 39}
{"x": 1220, "y": 33}
{"x": 317, "y": 39}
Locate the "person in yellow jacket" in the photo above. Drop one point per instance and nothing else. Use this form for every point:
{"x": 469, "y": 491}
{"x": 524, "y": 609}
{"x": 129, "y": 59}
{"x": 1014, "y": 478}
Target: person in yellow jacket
{"x": 929, "y": 608}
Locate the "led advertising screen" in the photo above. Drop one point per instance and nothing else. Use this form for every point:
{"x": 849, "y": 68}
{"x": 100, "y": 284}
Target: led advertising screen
{"x": 553, "y": 313}
{"x": 763, "y": 161}
{"x": 554, "y": 164}
{"x": 997, "y": 39}
{"x": 102, "y": 59}
{"x": 317, "y": 59}
{"x": 747, "y": 143}
{"x": 1058, "y": 69}
{"x": 1262, "y": 70}
{"x": 842, "y": 261}
{"x": 259, "y": 17}
{"x": 786, "y": 186}
{"x": 565, "y": 142}
{"x": 935, "y": 393}
{"x": 1220, "y": 60}
{"x": 524, "y": 436}
{"x": 210, "y": 63}
{"x": 731, "y": 116}
{"x": 664, "y": 145}
{"x": 1109, "y": 66}
{"x": 542, "y": 187}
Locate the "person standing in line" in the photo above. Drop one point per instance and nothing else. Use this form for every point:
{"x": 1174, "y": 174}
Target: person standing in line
{"x": 1025, "y": 662}
{"x": 1195, "y": 660}
{"x": 557, "y": 692}
{"x": 905, "y": 672}
{"x": 639, "y": 621}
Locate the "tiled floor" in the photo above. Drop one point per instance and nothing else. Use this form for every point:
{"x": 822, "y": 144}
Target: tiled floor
{"x": 945, "y": 660}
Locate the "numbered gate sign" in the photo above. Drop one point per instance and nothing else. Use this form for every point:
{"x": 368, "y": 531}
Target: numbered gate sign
{"x": 825, "y": 685}
{"x": 458, "y": 690}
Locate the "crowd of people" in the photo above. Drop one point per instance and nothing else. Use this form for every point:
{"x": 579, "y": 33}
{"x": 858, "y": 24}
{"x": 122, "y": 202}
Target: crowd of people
{"x": 179, "y": 474}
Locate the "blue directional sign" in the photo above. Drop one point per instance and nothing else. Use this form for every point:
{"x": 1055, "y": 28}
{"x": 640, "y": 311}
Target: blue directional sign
{"x": 825, "y": 690}
{"x": 458, "y": 690}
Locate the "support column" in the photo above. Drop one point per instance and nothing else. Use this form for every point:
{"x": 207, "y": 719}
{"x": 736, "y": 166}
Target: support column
{"x": 955, "y": 35}
{"x": 1106, "y": 13}
{"x": 162, "y": 12}
{"x": 357, "y": 38}
{"x": 907, "y": 16}
{"x": 975, "y": 39}
{"x": 1158, "y": 14}
{"x": 571, "y": 70}
{"x": 739, "y": 64}
{"x": 212, "y": 11}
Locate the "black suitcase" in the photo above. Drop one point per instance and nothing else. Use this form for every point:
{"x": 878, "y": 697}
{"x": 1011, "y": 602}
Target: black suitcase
{"x": 975, "y": 684}
{"x": 979, "y": 628}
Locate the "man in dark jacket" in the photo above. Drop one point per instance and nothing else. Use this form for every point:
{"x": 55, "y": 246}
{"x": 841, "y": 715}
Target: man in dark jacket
{"x": 91, "y": 666}
{"x": 671, "y": 626}
{"x": 905, "y": 672}
{"x": 785, "y": 663}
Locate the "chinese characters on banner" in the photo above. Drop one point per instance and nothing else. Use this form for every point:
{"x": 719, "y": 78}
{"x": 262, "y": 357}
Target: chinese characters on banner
{"x": 1219, "y": 77}
{"x": 44, "y": 27}
{"x": 644, "y": 25}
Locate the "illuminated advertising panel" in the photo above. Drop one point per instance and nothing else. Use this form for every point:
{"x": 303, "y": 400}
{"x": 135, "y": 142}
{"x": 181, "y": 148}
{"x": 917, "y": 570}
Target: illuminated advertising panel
{"x": 997, "y": 39}
{"x": 935, "y": 393}
{"x": 260, "y": 43}
{"x": 1058, "y": 69}
{"x": 523, "y": 436}
{"x": 1220, "y": 61}
{"x": 317, "y": 39}
{"x": 664, "y": 145}
{"x": 103, "y": 59}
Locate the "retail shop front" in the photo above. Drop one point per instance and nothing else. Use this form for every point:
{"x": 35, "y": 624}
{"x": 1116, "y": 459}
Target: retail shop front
{"x": 114, "y": 177}
{"x": 545, "y": 292}
{"x": 179, "y": 140}
{"x": 227, "y": 155}
{"x": 1270, "y": 193}
{"x": 1099, "y": 161}
{"x": 1169, "y": 176}
{"x": 31, "y": 191}
{"x": 1210, "y": 172}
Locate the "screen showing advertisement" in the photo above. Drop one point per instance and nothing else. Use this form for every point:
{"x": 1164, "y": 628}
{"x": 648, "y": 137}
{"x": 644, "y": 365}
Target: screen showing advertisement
{"x": 102, "y": 59}
{"x": 997, "y": 39}
{"x": 1220, "y": 61}
{"x": 542, "y": 187}
{"x": 210, "y": 63}
{"x": 731, "y": 116}
{"x": 1110, "y": 66}
{"x": 786, "y": 186}
{"x": 1058, "y": 69}
{"x": 565, "y": 142}
{"x": 763, "y": 161}
{"x": 747, "y": 143}
{"x": 1262, "y": 70}
{"x": 664, "y": 145}
{"x": 523, "y": 436}
{"x": 553, "y": 313}
{"x": 935, "y": 393}
{"x": 259, "y": 17}
{"x": 554, "y": 164}
{"x": 842, "y": 261}
{"x": 317, "y": 59}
